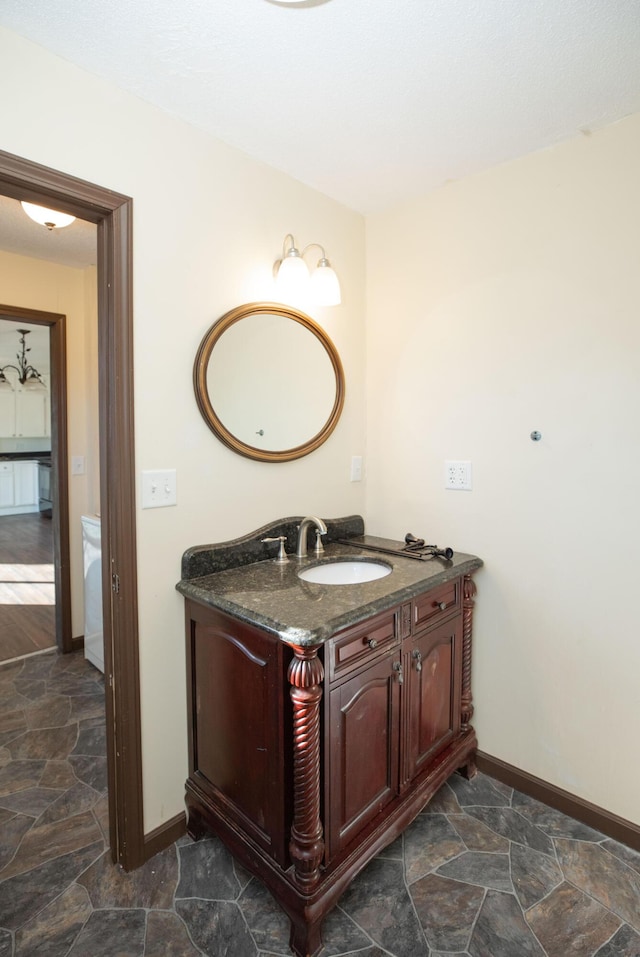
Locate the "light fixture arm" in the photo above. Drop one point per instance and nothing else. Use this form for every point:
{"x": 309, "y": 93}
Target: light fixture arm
{"x": 291, "y": 251}
{"x": 323, "y": 259}
{"x": 292, "y": 272}
{"x": 26, "y": 372}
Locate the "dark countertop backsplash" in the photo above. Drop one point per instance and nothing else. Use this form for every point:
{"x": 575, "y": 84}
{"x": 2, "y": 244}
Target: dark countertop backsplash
{"x": 241, "y": 579}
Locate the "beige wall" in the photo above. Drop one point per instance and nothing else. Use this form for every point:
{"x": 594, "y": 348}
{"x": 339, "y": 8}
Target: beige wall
{"x": 35, "y": 284}
{"x": 208, "y": 224}
{"x": 500, "y": 304}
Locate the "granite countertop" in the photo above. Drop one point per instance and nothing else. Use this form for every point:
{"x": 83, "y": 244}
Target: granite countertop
{"x": 272, "y": 596}
{"x": 23, "y": 456}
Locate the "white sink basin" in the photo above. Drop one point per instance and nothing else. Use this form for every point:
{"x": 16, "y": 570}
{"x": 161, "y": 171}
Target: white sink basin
{"x": 345, "y": 572}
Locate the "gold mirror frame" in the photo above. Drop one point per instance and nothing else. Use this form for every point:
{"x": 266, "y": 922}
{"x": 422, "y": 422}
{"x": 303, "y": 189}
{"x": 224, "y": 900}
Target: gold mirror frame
{"x": 203, "y": 399}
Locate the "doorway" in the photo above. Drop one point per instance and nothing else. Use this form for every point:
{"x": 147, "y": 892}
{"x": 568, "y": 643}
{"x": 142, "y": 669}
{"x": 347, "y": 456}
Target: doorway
{"x": 112, "y": 213}
{"x": 34, "y": 547}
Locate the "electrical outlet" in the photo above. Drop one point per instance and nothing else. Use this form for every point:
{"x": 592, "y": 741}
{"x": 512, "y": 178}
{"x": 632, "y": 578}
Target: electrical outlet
{"x": 457, "y": 475}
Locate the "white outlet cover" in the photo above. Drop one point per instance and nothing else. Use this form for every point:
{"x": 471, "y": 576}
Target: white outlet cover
{"x": 458, "y": 475}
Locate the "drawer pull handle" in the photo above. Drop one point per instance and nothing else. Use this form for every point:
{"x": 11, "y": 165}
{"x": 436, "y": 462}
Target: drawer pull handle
{"x": 397, "y": 667}
{"x": 418, "y": 659}
{"x": 372, "y": 642}
{"x": 440, "y": 604}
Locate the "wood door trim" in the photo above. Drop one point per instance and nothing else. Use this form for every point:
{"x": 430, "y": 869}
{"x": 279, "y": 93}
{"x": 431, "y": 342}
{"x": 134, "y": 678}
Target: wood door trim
{"x": 112, "y": 212}
{"x": 59, "y": 459}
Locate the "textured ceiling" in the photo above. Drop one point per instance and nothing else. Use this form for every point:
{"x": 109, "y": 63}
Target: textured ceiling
{"x": 75, "y": 245}
{"x": 370, "y": 101}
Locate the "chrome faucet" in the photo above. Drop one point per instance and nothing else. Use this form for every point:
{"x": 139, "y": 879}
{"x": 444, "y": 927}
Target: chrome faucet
{"x": 301, "y": 549}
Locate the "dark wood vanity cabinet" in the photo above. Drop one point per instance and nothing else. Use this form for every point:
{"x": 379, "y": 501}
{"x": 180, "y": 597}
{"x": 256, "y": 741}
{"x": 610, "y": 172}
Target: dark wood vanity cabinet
{"x": 390, "y": 709}
{"x": 307, "y": 761}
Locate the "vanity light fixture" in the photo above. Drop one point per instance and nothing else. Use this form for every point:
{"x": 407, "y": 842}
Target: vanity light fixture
{"x": 28, "y": 376}
{"x": 50, "y": 218}
{"x": 298, "y": 3}
{"x": 293, "y": 278}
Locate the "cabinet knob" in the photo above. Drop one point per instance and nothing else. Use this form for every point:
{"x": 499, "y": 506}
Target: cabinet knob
{"x": 397, "y": 667}
{"x": 417, "y": 656}
{"x": 440, "y": 604}
{"x": 372, "y": 642}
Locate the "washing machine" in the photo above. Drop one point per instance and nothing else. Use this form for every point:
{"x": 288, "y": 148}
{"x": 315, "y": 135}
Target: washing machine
{"x": 92, "y": 555}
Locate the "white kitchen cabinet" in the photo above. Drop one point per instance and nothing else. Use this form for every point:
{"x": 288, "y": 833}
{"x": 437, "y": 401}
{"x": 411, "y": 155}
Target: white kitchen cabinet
{"x": 31, "y": 413}
{"x": 6, "y": 485}
{"x": 7, "y": 414}
{"x": 24, "y": 412}
{"x": 25, "y": 483}
{"x": 18, "y": 487}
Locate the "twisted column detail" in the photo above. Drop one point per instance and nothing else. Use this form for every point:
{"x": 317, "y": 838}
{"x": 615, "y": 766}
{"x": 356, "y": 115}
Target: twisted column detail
{"x": 306, "y": 845}
{"x": 468, "y": 595}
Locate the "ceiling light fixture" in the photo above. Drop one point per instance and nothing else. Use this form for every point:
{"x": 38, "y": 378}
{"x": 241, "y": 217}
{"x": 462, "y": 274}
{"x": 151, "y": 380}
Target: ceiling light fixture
{"x": 50, "y": 218}
{"x": 293, "y": 279}
{"x": 28, "y": 376}
{"x": 298, "y": 3}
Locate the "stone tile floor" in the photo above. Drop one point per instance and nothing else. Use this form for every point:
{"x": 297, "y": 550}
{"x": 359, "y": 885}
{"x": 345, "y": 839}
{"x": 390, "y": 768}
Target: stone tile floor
{"x": 482, "y": 872}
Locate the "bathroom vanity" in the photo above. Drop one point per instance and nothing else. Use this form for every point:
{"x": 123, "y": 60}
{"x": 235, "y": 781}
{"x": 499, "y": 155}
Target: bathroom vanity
{"x": 322, "y": 718}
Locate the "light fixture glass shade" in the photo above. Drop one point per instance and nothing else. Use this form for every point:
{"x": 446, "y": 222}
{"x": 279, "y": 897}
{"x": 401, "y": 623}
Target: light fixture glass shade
{"x": 293, "y": 281}
{"x": 5, "y": 385}
{"x": 325, "y": 287}
{"x": 293, "y": 276}
{"x": 34, "y": 384}
{"x": 50, "y": 218}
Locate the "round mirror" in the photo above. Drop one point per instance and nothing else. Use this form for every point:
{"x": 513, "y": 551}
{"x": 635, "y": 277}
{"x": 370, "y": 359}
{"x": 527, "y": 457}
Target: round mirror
{"x": 269, "y": 382}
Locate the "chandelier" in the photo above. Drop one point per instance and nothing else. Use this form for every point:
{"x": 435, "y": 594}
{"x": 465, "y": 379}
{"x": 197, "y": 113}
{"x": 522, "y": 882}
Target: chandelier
{"x": 28, "y": 375}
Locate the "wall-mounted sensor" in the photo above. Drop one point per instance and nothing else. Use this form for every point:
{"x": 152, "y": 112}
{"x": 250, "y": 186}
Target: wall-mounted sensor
{"x": 536, "y": 436}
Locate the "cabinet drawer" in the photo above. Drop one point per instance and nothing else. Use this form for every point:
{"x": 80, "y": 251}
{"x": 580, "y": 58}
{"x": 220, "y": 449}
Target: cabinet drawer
{"x": 436, "y": 604}
{"x": 362, "y": 644}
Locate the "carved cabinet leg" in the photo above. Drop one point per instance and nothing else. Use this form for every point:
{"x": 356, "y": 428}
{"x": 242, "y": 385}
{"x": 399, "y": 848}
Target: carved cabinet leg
{"x": 196, "y": 828}
{"x": 468, "y": 595}
{"x": 305, "y": 939}
{"x": 470, "y": 769}
{"x": 306, "y": 845}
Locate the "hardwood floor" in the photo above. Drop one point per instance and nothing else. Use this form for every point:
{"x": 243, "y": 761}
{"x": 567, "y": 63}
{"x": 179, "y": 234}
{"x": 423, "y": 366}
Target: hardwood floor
{"x": 27, "y": 611}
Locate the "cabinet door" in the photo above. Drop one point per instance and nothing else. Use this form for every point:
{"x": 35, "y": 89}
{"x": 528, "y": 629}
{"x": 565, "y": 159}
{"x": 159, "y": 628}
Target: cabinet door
{"x": 433, "y": 666}
{"x": 30, "y": 412}
{"x": 237, "y": 749}
{"x": 7, "y": 414}
{"x": 362, "y": 751}
{"x": 6, "y": 484}
{"x": 25, "y": 483}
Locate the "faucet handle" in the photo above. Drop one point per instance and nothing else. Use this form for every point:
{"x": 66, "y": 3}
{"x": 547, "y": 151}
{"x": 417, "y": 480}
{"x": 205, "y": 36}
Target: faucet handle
{"x": 282, "y": 555}
{"x": 319, "y": 549}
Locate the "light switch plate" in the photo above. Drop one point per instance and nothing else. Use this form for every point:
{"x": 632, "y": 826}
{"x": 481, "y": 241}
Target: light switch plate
{"x": 77, "y": 464}
{"x": 159, "y": 488}
{"x": 356, "y": 468}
